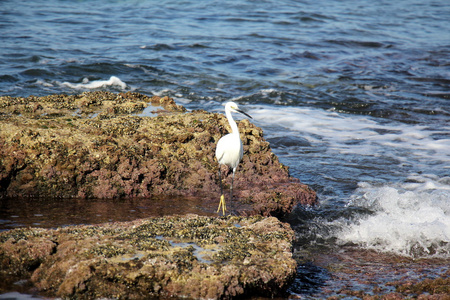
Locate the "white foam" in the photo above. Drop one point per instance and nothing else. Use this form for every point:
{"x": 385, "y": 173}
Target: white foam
{"x": 361, "y": 135}
{"x": 410, "y": 219}
{"x": 44, "y": 83}
{"x": 90, "y": 85}
{"x": 162, "y": 93}
{"x": 18, "y": 296}
{"x": 182, "y": 100}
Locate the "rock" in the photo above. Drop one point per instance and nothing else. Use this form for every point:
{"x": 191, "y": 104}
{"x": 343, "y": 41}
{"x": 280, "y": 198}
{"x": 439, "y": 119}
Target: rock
{"x": 97, "y": 145}
{"x": 189, "y": 256}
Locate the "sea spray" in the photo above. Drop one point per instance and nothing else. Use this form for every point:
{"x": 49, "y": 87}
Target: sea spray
{"x": 97, "y": 84}
{"x": 411, "y": 219}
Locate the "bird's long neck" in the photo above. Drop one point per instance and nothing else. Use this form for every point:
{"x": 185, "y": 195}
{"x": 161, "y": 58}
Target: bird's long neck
{"x": 234, "y": 128}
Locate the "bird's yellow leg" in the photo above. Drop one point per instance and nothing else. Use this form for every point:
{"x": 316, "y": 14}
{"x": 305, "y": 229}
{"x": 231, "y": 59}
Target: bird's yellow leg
{"x": 222, "y": 204}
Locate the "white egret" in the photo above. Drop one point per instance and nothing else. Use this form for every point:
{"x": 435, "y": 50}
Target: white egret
{"x": 229, "y": 151}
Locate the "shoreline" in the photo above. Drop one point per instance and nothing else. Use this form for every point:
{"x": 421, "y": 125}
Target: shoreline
{"x": 95, "y": 145}
{"x": 40, "y": 139}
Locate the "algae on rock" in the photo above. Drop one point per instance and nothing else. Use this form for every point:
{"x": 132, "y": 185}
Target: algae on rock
{"x": 177, "y": 256}
{"x": 97, "y": 145}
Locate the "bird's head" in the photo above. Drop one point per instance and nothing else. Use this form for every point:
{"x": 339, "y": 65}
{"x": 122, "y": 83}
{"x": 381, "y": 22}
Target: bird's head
{"x": 233, "y": 107}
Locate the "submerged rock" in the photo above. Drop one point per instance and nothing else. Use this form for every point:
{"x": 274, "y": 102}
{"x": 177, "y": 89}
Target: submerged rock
{"x": 189, "y": 256}
{"x": 97, "y": 145}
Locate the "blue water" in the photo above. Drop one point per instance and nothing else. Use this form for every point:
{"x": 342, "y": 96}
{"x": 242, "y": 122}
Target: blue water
{"x": 354, "y": 96}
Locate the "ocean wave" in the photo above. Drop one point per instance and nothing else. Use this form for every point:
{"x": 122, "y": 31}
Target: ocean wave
{"x": 410, "y": 218}
{"x": 364, "y": 136}
{"x": 113, "y": 81}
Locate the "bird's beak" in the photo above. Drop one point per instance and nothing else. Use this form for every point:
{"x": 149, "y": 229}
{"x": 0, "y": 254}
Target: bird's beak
{"x": 244, "y": 113}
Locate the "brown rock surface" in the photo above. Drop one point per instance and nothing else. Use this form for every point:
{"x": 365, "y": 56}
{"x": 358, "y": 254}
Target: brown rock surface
{"x": 97, "y": 145}
{"x": 189, "y": 256}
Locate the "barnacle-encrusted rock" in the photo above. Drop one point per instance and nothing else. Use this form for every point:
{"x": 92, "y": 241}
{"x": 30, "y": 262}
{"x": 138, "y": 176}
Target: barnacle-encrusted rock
{"x": 96, "y": 145}
{"x": 177, "y": 256}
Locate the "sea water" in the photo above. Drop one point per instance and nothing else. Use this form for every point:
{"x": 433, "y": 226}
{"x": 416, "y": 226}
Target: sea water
{"x": 352, "y": 95}
{"x": 386, "y": 168}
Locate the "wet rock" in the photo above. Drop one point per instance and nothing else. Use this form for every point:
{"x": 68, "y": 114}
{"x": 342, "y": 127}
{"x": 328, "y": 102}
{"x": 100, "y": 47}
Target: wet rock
{"x": 189, "y": 256}
{"x": 438, "y": 287}
{"x": 355, "y": 273}
{"x": 97, "y": 145}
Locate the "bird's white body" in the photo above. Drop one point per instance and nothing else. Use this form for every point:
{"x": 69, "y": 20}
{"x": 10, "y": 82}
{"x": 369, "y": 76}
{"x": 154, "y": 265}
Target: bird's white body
{"x": 229, "y": 150}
